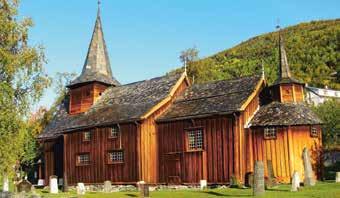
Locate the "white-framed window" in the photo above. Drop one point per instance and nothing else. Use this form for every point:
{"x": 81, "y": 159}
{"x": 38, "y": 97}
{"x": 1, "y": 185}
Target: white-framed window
{"x": 87, "y": 136}
{"x": 313, "y": 132}
{"x": 114, "y": 132}
{"x": 115, "y": 156}
{"x": 270, "y": 133}
{"x": 195, "y": 139}
{"x": 83, "y": 159}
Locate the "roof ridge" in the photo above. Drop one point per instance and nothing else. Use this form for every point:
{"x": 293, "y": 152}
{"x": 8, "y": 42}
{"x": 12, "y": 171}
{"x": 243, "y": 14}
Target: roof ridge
{"x": 211, "y": 96}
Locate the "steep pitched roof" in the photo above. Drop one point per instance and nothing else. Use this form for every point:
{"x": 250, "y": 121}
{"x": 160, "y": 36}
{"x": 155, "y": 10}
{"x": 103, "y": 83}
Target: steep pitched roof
{"x": 124, "y": 103}
{"x": 219, "y": 97}
{"x": 284, "y": 70}
{"x": 284, "y": 114}
{"x": 97, "y": 64}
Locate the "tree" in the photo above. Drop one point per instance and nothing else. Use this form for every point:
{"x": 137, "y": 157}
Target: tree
{"x": 329, "y": 112}
{"x": 22, "y": 82}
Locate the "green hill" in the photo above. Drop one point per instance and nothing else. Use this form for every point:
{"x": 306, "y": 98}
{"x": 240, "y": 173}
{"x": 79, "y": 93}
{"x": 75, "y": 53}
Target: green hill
{"x": 313, "y": 51}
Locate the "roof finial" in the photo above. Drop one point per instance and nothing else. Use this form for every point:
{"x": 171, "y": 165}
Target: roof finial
{"x": 98, "y": 13}
{"x": 185, "y": 66}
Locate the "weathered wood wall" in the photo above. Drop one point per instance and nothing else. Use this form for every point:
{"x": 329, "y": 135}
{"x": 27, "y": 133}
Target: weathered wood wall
{"x": 99, "y": 169}
{"x": 149, "y": 137}
{"x": 83, "y": 97}
{"x": 53, "y": 158}
{"x": 285, "y": 151}
{"x": 216, "y": 162}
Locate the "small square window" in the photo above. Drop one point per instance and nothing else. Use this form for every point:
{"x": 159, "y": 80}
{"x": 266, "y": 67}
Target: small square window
{"x": 115, "y": 157}
{"x": 269, "y": 133}
{"x": 83, "y": 159}
{"x": 114, "y": 131}
{"x": 195, "y": 139}
{"x": 87, "y": 136}
{"x": 314, "y": 132}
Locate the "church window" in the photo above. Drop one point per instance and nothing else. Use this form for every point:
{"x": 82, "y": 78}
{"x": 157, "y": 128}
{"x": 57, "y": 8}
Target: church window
{"x": 115, "y": 156}
{"x": 269, "y": 133}
{"x": 83, "y": 159}
{"x": 195, "y": 139}
{"x": 313, "y": 132}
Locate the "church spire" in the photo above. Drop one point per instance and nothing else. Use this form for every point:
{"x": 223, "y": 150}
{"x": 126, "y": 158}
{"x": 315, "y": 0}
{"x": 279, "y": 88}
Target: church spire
{"x": 284, "y": 67}
{"x": 97, "y": 66}
{"x": 284, "y": 74}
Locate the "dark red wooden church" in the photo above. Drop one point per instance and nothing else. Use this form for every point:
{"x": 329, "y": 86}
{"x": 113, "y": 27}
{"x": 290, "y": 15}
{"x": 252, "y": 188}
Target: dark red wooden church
{"x": 165, "y": 130}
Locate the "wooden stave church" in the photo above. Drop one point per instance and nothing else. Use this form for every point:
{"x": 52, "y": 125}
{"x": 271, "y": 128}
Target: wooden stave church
{"x": 146, "y": 126}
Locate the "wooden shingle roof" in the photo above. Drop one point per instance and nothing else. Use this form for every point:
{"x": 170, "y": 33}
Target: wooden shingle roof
{"x": 212, "y": 98}
{"x": 125, "y": 103}
{"x": 284, "y": 114}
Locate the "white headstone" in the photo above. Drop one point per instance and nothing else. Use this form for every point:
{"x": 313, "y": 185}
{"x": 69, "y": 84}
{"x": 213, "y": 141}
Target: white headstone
{"x": 203, "y": 184}
{"x": 41, "y": 182}
{"x": 5, "y": 187}
{"x": 81, "y": 189}
{"x": 295, "y": 181}
{"x": 309, "y": 174}
{"x": 337, "y": 177}
{"x": 54, "y": 184}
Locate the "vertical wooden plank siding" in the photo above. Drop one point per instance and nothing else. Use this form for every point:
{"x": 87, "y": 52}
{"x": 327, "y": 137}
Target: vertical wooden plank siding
{"x": 149, "y": 140}
{"x": 286, "y": 150}
{"x": 218, "y": 150}
{"x": 99, "y": 169}
{"x": 82, "y": 98}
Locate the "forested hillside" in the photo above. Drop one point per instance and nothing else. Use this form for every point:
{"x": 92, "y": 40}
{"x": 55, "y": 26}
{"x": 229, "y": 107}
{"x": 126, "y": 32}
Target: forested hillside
{"x": 313, "y": 51}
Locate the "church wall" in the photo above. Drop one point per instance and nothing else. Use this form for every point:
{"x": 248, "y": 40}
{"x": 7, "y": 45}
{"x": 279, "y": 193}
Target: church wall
{"x": 285, "y": 151}
{"x": 99, "y": 170}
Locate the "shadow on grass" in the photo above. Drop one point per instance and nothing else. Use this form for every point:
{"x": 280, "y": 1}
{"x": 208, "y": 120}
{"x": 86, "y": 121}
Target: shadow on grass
{"x": 277, "y": 190}
{"x": 131, "y": 195}
{"x": 224, "y": 195}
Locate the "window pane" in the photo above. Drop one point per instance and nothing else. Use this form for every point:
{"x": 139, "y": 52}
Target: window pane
{"x": 270, "y": 133}
{"x": 83, "y": 159}
{"x": 114, "y": 131}
{"x": 87, "y": 135}
{"x": 195, "y": 139}
{"x": 116, "y": 156}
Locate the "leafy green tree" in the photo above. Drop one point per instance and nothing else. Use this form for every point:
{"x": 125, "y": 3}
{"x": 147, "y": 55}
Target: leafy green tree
{"x": 312, "y": 50}
{"x": 22, "y": 82}
{"x": 329, "y": 112}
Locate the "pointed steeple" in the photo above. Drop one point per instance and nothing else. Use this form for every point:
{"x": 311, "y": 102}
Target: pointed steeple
{"x": 284, "y": 70}
{"x": 284, "y": 67}
{"x": 97, "y": 66}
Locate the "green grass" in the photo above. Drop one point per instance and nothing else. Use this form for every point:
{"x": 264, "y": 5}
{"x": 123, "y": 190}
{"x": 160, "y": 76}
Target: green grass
{"x": 322, "y": 189}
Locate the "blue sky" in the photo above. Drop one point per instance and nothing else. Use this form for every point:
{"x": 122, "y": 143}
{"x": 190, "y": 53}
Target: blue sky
{"x": 144, "y": 37}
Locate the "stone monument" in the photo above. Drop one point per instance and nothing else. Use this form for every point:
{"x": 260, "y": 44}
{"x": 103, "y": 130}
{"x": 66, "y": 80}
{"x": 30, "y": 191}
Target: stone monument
{"x": 81, "y": 189}
{"x": 203, "y": 184}
{"x": 143, "y": 188}
{"x": 24, "y": 186}
{"x": 309, "y": 174}
{"x": 295, "y": 181}
{"x": 5, "y": 186}
{"x": 271, "y": 178}
{"x": 337, "y": 177}
{"x": 107, "y": 186}
{"x": 258, "y": 187}
{"x": 54, "y": 184}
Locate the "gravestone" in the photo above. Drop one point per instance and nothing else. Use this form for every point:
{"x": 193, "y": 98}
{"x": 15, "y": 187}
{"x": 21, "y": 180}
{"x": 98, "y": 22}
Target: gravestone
{"x": 5, "y": 194}
{"x": 258, "y": 187}
{"x": 143, "y": 188}
{"x": 271, "y": 178}
{"x": 54, "y": 184}
{"x": 41, "y": 182}
{"x": 24, "y": 186}
{"x": 309, "y": 174}
{"x": 337, "y": 177}
{"x": 203, "y": 184}
{"x": 107, "y": 186}
{"x": 295, "y": 181}
{"x": 81, "y": 189}
{"x": 5, "y": 186}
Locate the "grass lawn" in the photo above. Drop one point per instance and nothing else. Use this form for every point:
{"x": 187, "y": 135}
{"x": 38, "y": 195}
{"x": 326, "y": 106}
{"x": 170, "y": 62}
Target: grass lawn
{"x": 322, "y": 189}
